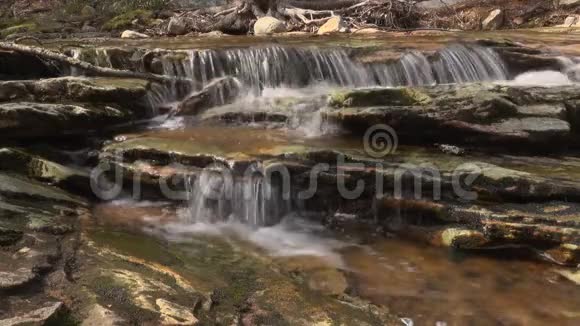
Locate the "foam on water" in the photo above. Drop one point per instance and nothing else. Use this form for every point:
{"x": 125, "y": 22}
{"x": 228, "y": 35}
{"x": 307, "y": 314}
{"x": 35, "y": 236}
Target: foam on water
{"x": 293, "y": 236}
{"x": 541, "y": 78}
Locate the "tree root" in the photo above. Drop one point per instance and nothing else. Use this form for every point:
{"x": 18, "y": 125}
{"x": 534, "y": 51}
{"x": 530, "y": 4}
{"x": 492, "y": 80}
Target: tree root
{"x": 52, "y": 56}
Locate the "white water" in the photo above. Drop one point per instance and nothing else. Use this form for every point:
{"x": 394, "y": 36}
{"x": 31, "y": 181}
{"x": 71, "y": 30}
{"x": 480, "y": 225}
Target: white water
{"x": 541, "y": 78}
{"x": 216, "y": 195}
{"x": 275, "y": 66}
{"x": 293, "y": 236}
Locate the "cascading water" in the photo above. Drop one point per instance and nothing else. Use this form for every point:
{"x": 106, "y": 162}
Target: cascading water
{"x": 277, "y": 66}
{"x": 217, "y": 196}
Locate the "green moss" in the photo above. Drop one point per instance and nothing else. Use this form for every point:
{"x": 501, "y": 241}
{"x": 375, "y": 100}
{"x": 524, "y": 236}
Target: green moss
{"x": 125, "y": 20}
{"x": 379, "y": 97}
{"x": 22, "y": 28}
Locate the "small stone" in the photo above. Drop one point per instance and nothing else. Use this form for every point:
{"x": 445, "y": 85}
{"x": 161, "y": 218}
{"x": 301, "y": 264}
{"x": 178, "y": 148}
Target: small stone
{"x": 333, "y": 25}
{"x": 452, "y": 150}
{"x": 269, "y": 25}
{"x": 133, "y": 35}
{"x": 494, "y": 20}
{"x": 24, "y": 250}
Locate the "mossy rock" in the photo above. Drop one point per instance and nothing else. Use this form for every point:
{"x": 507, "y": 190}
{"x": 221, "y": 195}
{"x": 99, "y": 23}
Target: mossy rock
{"x": 38, "y": 168}
{"x": 126, "y": 20}
{"x": 375, "y": 97}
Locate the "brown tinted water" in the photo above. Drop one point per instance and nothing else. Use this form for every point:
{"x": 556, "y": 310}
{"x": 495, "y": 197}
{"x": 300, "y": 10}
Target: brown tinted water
{"x": 425, "y": 284}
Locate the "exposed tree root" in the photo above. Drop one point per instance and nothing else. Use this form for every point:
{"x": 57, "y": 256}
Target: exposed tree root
{"x": 239, "y": 16}
{"x": 52, "y": 56}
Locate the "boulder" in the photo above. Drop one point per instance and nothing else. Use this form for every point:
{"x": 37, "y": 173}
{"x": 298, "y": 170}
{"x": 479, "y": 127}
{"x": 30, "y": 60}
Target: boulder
{"x": 133, "y": 35}
{"x": 494, "y": 20}
{"x": 177, "y": 26}
{"x": 269, "y": 25}
{"x": 334, "y": 25}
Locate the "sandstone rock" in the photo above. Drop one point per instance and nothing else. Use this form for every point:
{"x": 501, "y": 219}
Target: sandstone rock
{"x": 28, "y": 119}
{"x": 508, "y": 118}
{"x": 36, "y": 317}
{"x": 20, "y": 187}
{"x": 100, "y": 316}
{"x": 269, "y": 25}
{"x": 569, "y": 3}
{"x": 174, "y": 314}
{"x": 128, "y": 93}
{"x": 334, "y": 25}
{"x": 17, "y": 278}
{"x": 177, "y": 26}
{"x": 38, "y": 168}
{"x": 570, "y": 21}
{"x": 494, "y": 20}
{"x": 133, "y": 35}
{"x": 463, "y": 238}
{"x": 573, "y": 276}
{"x": 566, "y": 254}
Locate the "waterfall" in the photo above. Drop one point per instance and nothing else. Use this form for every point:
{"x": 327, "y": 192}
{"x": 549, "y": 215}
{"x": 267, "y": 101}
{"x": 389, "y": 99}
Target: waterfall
{"x": 277, "y": 66}
{"x": 217, "y": 196}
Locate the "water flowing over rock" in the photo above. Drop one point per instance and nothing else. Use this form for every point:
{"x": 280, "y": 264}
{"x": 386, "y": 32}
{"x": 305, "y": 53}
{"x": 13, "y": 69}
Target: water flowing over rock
{"x": 217, "y": 196}
{"x": 278, "y": 66}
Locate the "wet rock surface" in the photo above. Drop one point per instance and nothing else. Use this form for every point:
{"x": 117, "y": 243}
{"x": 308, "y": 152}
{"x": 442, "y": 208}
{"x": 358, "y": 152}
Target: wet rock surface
{"x": 65, "y": 261}
{"x": 472, "y": 114}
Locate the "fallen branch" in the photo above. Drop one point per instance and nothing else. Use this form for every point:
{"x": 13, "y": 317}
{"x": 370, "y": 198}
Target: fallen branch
{"x": 46, "y": 54}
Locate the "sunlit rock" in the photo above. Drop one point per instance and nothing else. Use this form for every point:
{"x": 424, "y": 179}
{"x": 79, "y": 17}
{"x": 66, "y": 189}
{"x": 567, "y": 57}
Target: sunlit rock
{"x": 269, "y": 25}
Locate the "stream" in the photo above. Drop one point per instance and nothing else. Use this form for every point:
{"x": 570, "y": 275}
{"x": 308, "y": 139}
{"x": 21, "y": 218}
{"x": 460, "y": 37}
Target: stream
{"x": 225, "y": 241}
